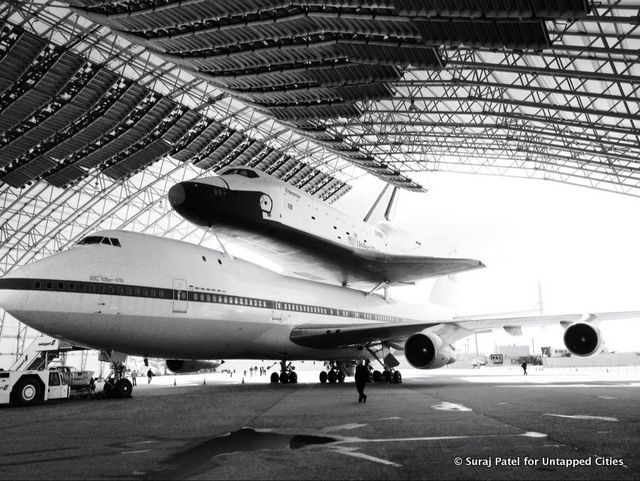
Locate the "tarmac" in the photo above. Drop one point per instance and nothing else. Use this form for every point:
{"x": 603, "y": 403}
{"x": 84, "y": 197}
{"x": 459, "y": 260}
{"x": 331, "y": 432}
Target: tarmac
{"x": 444, "y": 424}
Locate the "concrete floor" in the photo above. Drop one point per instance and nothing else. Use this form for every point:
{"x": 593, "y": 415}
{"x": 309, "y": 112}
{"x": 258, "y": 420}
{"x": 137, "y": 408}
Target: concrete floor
{"x": 502, "y": 426}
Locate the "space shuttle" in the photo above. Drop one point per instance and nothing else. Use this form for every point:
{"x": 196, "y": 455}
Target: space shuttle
{"x": 311, "y": 239}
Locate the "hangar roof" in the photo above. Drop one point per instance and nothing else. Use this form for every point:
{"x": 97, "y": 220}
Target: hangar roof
{"x": 104, "y": 104}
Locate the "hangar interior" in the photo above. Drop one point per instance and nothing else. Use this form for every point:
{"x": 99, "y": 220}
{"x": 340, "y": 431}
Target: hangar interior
{"x": 104, "y": 105}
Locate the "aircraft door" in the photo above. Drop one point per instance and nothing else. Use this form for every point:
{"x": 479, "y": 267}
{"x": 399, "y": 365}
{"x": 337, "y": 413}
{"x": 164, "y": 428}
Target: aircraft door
{"x": 180, "y": 295}
{"x": 277, "y": 312}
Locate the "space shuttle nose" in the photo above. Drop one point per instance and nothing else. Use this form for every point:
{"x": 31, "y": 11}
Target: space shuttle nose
{"x": 176, "y": 195}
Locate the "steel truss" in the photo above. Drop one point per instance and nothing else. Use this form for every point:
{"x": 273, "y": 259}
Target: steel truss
{"x": 569, "y": 113}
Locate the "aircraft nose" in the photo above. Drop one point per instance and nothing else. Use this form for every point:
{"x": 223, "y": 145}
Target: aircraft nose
{"x": 201, "y": 201}
{"x": 13, "y": 289}
{"x": 177, "y": 195}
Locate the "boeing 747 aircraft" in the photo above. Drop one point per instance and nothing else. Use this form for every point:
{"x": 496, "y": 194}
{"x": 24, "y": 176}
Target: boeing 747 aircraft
{"x": 133, "y": 293}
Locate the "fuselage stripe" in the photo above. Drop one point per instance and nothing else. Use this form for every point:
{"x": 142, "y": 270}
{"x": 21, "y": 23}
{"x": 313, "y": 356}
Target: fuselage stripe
{"x": 189, "y": 295}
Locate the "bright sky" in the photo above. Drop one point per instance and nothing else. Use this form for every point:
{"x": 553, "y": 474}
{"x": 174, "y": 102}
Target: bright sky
{"x": 582, "y": 245}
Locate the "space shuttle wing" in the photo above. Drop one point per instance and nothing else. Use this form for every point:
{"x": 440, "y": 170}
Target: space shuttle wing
{"x": 398, "y": 269}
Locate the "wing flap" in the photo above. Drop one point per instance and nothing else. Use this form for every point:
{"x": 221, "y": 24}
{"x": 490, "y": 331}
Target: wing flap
{"x": 332, "y": 336}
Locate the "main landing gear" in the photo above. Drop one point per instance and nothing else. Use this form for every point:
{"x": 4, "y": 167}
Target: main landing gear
{"x": 388, "y": 375}
{"x": 333, "y": 375}
{"x": 287, "y": 374}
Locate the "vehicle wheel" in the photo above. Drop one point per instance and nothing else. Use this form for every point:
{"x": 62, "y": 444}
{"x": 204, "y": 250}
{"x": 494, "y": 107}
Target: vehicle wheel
{"x": 332, "y": 376}
{"x": 386, "y": 376}
{"x": 323, "y": 376}
{"x": 377, "y": 376}
{"x": 341, "y": 376}
{"x": 397, "y": 377}
{"x": 293, "y": 378}
{"x": 27, "y": 392}
{"x": 275, "y": 377}
{"x": 124, "y": 388}
{"x": 284, "y": 378}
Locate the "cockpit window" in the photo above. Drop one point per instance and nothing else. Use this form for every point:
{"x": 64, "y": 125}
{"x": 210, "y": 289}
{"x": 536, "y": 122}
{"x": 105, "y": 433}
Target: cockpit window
{"x": 94, "y": 239}
{"x": 249, "y": 174}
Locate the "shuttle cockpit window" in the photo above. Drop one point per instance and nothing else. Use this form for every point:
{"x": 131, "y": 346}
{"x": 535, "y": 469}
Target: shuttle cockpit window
{"x": 93, "y": 239}
{"x": 249, "y": 174}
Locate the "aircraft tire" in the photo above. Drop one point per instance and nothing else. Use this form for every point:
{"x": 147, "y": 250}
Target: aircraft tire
{"x": 123, "y": 388}
{"x": 284, "y": 378}
{"x": 341, "y": 377}
{"x": 323, "y": 376}
{"x": 386, "y": 376}
{"x": 377, "y": 376}
{"x": 27, "y": 392}
{"x": 275, "y": 377}
{"x": 332, "y": 377}
{"x": 293, "y": 378}
{"x": 397, "y": 377}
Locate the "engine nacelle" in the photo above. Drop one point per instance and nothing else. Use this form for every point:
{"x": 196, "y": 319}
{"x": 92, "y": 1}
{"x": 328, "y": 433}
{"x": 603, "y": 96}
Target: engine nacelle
{"x": 427, "y": 350}
{"x": 182, "y": 366}
{"x": 583, "y": 339}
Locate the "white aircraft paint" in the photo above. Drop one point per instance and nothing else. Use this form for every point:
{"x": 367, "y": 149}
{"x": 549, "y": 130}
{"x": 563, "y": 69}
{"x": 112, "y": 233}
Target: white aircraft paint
{"x": 155, "y": 297}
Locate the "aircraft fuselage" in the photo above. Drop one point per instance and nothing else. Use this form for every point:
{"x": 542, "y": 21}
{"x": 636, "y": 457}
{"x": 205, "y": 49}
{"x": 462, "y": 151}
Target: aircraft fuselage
{"x": 157, "y": 297}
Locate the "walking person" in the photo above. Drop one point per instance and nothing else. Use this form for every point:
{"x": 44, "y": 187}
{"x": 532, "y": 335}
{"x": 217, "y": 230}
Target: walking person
{"x": 524, "y": 368}
{"x": 362, "y": 376}
{"x": 149, "y": 376}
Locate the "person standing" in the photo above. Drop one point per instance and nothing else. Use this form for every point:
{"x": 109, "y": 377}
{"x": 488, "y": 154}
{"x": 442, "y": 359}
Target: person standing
{"x": 524, "y": 368}
{"x": 134, "y": 376}
{"x": 362, "y": 376}
{"x": 149, "y": 375}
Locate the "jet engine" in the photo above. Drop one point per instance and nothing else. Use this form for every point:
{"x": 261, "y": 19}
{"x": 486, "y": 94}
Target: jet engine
{"x": 427, "y": 350}
{"x": 189, "y": 366}
{"x": 583, "y": 339}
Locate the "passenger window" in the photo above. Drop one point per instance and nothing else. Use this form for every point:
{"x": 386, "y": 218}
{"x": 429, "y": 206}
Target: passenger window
{"x": 37, "y": 285}
{"x": 60, "y": 286}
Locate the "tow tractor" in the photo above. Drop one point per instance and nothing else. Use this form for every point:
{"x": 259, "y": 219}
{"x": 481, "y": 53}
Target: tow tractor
{"x": 29, "y": 381}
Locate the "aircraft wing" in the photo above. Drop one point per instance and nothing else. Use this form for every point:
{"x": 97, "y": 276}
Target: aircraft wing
{"x": 406, "y": 269}
{"x": 316, "y": 259}
{"x": 332, "y": 336}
